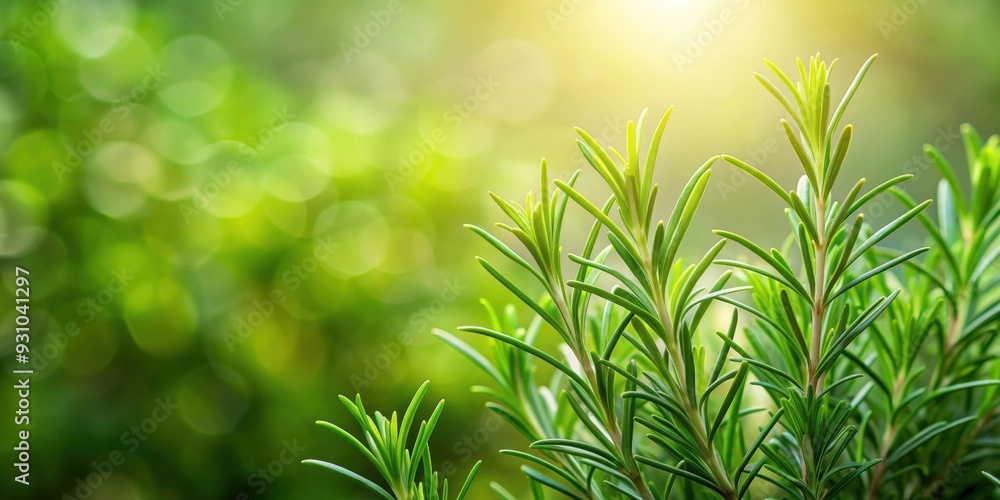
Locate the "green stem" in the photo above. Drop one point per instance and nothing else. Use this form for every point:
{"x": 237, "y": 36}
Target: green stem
{"x": 583, "y": 357}
{"x": 888, "y": 436}
{"x": 818, "y": 313}
{"x": 708, "y": 451}
{"x": 955, "y": 325}
{"x": 819, "y": 297}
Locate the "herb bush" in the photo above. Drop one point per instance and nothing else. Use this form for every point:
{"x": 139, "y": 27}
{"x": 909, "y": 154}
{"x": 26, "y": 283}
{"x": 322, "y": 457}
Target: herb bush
{"x": 847, "y": 369}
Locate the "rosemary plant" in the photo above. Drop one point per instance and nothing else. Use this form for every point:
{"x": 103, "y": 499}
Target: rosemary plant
{"x": 846, "y": 369}
{"x": 931, "y": 401}
{"x": 385, "y": 446}
{"x": 665, "y": 386}
{"x": 806, "y": 320}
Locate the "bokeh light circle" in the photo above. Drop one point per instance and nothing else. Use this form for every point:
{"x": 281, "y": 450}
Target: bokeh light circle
{"x": 199, "y": 74}
{"x": 231, "y": 180}
{"x": 22, "y": 76}
{"x": 366, "y": 99}
{"x": 212, "y": 400}
{"x": 23, "y": 218}
{"x": 125, "y": 72}
{"x": 361, "y": 234}
{"x": 295, "y": 178}
{"x": 92, "y": 27}
{"x": 522, "y": 77}
{"x": 159, "y": 314}
{"x": 111, "y": 182}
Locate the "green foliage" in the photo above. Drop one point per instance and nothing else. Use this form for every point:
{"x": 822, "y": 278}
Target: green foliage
{"x": 856, "y": 369}
{"x": 384, "y": 444}
{"x": 806, "y": 319}
{"x": 930, "y": 407}
{"x": 664, "y": 386}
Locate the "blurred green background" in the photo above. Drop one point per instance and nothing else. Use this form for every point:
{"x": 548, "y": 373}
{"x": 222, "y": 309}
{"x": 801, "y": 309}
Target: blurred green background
{"x": 235, "y": 210}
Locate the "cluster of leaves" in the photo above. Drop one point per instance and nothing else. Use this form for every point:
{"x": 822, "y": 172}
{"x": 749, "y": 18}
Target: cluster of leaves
{"x": 837, "y": 332}
{"x": 804, "y": 316}
{"x": 930, "y": 399}
{"x": 385, "y": 446}
{"x": 634, "y": 359}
